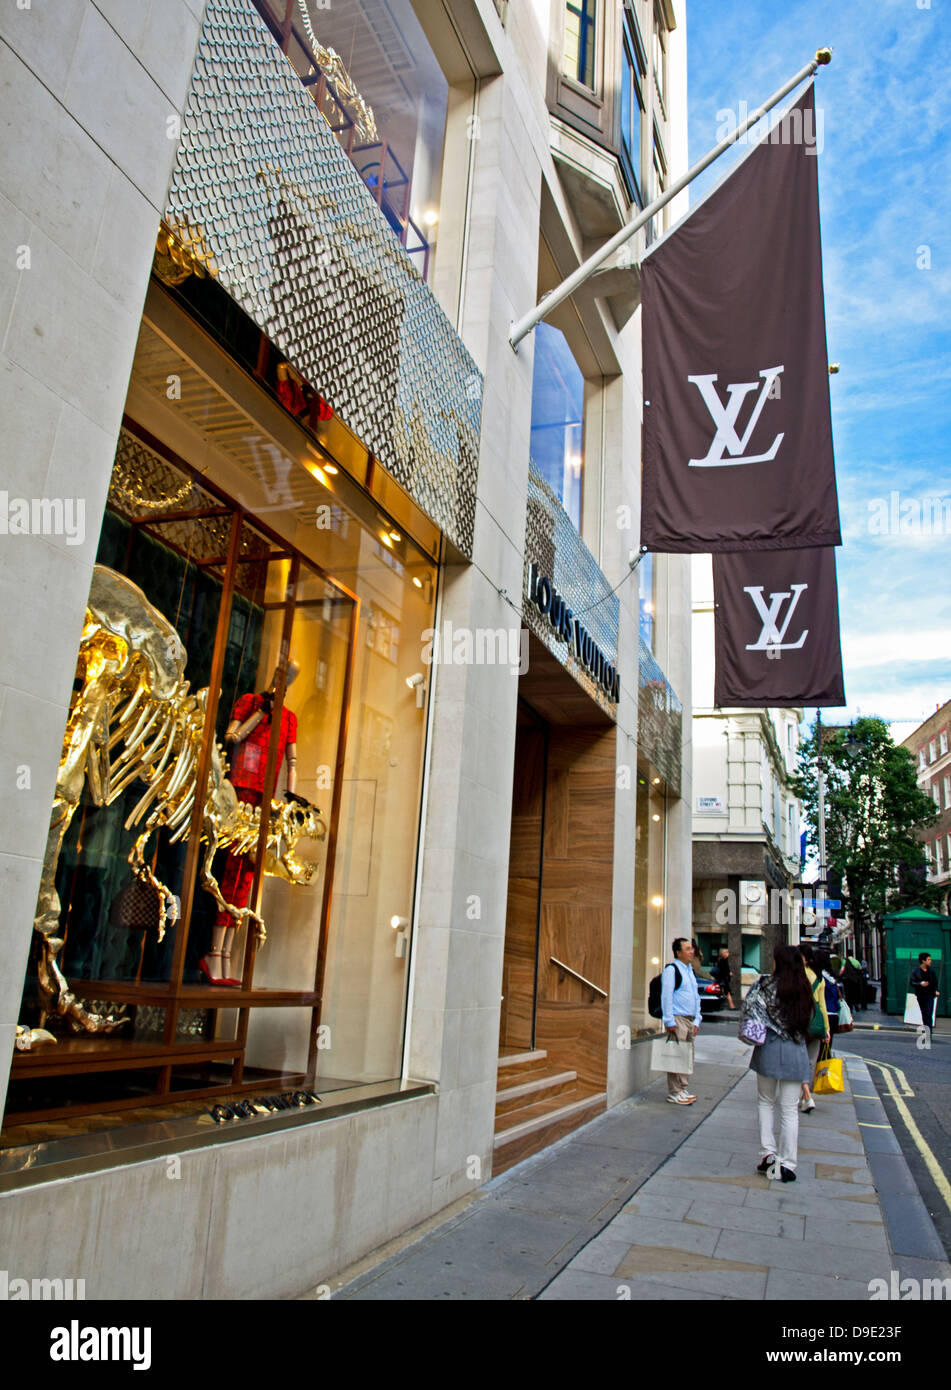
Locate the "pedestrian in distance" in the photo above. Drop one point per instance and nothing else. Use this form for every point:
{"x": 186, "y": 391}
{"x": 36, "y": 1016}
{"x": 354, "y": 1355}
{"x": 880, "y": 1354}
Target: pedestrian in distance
{"x": 853, "y": 983}
{"x": 680, "y": 1005}
{"x": 782, "y": 1005}
{"x": 924, "y": 983}
{"x": 814, "y": 1041}
{"x": 822, "y": 965}
{"x": 724, "y": 976}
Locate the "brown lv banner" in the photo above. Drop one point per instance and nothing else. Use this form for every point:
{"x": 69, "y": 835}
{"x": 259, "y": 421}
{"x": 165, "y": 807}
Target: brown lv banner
{"x": 737, "y": 427}
{"x": 777, "y": 629}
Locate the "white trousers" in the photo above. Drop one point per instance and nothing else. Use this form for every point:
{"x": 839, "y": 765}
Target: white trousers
{"x": 769, "y": 1091}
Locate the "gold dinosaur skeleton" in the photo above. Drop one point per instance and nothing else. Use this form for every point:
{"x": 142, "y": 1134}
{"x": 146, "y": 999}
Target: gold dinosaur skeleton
{"x": 131, "y": 718}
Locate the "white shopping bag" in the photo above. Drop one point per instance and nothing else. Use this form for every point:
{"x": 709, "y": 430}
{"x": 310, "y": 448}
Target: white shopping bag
{"x": 913, "y": 1010}
{"x": 667, "y": 1055}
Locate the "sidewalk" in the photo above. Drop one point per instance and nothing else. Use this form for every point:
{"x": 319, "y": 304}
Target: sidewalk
{"x": 654, "y": 1201}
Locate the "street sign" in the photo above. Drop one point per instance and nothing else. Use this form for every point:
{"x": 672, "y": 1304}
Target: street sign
{"x": 829, "y": 904}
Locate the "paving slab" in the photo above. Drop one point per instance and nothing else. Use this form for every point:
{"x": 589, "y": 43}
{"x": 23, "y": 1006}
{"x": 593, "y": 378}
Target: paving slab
{"x": 729, "y": 1216}
{"x": 846, "y": 1234}
{"x": 806, "y": 1256}
{"x": 795, "y": 1284}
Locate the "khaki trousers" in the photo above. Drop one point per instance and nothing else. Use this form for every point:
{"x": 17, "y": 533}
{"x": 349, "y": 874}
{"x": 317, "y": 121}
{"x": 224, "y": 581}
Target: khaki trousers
{"x": 675, "y": 1082}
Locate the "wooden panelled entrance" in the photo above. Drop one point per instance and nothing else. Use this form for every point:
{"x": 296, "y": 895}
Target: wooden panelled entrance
{"x": 553, "y": 1037}
{"x": 520, "y": 962}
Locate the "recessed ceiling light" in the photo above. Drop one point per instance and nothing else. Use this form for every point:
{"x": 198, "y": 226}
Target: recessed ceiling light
{"x": 331, "y": 468}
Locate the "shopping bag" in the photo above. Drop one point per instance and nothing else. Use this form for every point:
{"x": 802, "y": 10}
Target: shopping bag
{"x": 667, "y": 1055}
{"x": 846, "y": 1021}
{"x": 828, "y": 1079}
{"x": 913, "y": 1010}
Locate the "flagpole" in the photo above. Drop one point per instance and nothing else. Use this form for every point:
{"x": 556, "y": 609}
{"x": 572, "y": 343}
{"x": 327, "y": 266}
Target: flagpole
{"x": 567, "y": 287}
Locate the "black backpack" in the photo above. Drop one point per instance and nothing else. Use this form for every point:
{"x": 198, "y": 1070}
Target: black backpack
{"x": 653, "y": 992}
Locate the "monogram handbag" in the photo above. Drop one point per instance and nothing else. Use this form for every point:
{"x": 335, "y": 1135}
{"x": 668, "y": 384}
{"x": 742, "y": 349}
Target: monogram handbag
{"x": 143, "y": 907}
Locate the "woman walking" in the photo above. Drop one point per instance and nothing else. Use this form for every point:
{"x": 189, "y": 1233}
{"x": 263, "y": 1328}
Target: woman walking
{"x": 779, "y": 1007}
{"x": 813, "y": 1041}
{"x": 822, "y": 964}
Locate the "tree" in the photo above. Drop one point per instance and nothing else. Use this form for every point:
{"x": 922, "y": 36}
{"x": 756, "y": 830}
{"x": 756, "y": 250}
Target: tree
{"x": 873, "y": 809}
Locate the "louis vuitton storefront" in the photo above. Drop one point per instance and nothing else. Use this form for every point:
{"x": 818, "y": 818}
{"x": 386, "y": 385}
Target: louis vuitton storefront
{"x": 224, "y": 940}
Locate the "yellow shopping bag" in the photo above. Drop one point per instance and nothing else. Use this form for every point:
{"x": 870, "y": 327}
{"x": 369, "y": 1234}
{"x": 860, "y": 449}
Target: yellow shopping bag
{"x": 828, "y": 1078}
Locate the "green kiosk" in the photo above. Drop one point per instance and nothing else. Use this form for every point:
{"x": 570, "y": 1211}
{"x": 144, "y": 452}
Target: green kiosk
{"x": 907, "y": 934}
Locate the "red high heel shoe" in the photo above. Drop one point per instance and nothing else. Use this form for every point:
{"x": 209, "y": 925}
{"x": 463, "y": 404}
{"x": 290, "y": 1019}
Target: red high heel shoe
{"x": 228, "y": 979}
{"x": 212, "y": 979}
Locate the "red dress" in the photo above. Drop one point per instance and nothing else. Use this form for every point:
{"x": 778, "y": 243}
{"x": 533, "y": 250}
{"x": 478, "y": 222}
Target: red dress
{"x": 249, "y": 760}
{"x": 248, "y": 767}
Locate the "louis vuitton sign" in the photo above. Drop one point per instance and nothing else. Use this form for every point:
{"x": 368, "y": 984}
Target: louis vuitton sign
{"x": 566, "y": 627}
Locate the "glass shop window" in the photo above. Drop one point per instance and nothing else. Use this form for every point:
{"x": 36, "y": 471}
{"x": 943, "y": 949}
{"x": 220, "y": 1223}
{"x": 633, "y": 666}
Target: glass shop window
{"x": 645, "y": 600}
{"x": 633, "y": 104}
{"x": 227, "y": 902}
{"x": 373, "y": 74}
{"x": 659, "y": 54}
{"x": 579, "y": 41}
{"x": 557, "y": 437}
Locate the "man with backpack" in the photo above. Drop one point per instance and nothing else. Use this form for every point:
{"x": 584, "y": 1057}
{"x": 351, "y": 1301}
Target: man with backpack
{"x": 680, "y": 1011}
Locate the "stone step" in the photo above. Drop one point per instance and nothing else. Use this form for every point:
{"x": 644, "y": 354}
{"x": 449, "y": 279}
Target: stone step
{"x": 543, "y": 1086}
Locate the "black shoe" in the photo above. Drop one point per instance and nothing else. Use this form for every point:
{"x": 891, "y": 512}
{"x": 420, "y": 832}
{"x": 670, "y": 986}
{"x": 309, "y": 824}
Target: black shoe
{"x": 787, "y": 1175}
{"x": 766, "y": 1163}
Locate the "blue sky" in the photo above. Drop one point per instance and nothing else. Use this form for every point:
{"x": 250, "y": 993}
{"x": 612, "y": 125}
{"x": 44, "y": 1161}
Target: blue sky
{"x": 885, "y": 196}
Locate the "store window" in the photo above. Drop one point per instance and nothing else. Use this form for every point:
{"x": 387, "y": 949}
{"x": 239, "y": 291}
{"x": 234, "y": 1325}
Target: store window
{"x": 254, "y": 623}
{"x": 373, "y": 74}
{"x": 652, "y": 933}
{"x": 659, "y": 163}
{"x": 633, "y": 105}
{"x": 659, "y": 57}
{"x": 557, "y": 436}
{"x": 580, "y": 41}
{"x": 645, "y": 599}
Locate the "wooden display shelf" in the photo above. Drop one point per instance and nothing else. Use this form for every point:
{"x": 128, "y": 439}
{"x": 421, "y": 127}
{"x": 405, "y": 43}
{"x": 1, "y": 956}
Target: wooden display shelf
{"x": 71, "y": 1055}
{"x": 191, "y": 996}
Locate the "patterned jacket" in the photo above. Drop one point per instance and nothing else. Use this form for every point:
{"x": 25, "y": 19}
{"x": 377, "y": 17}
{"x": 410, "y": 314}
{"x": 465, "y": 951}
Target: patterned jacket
{"x": 761, "y": 1004}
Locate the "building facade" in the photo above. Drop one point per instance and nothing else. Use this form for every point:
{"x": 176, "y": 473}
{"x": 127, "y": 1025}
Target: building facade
{"x": 342, "y": 890}
{"x": 929, "y": 747}
{"x": 746, "y": 817}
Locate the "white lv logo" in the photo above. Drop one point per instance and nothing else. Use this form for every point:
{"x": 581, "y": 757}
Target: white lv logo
{"x": 771, "y": 637}
{"x": 725, "y": 418}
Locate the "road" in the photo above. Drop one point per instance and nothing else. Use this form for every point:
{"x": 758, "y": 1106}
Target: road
{"x": 928, "y": 1074}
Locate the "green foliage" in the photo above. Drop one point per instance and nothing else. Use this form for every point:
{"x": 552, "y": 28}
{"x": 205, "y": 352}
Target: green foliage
{"x": 873, "y": 809}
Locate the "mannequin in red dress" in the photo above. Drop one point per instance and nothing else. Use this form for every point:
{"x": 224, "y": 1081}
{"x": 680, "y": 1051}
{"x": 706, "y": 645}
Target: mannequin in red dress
{"x": 247, "y": 737}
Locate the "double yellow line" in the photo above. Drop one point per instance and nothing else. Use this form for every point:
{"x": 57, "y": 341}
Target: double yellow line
{"x": 898, "y": 1088}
